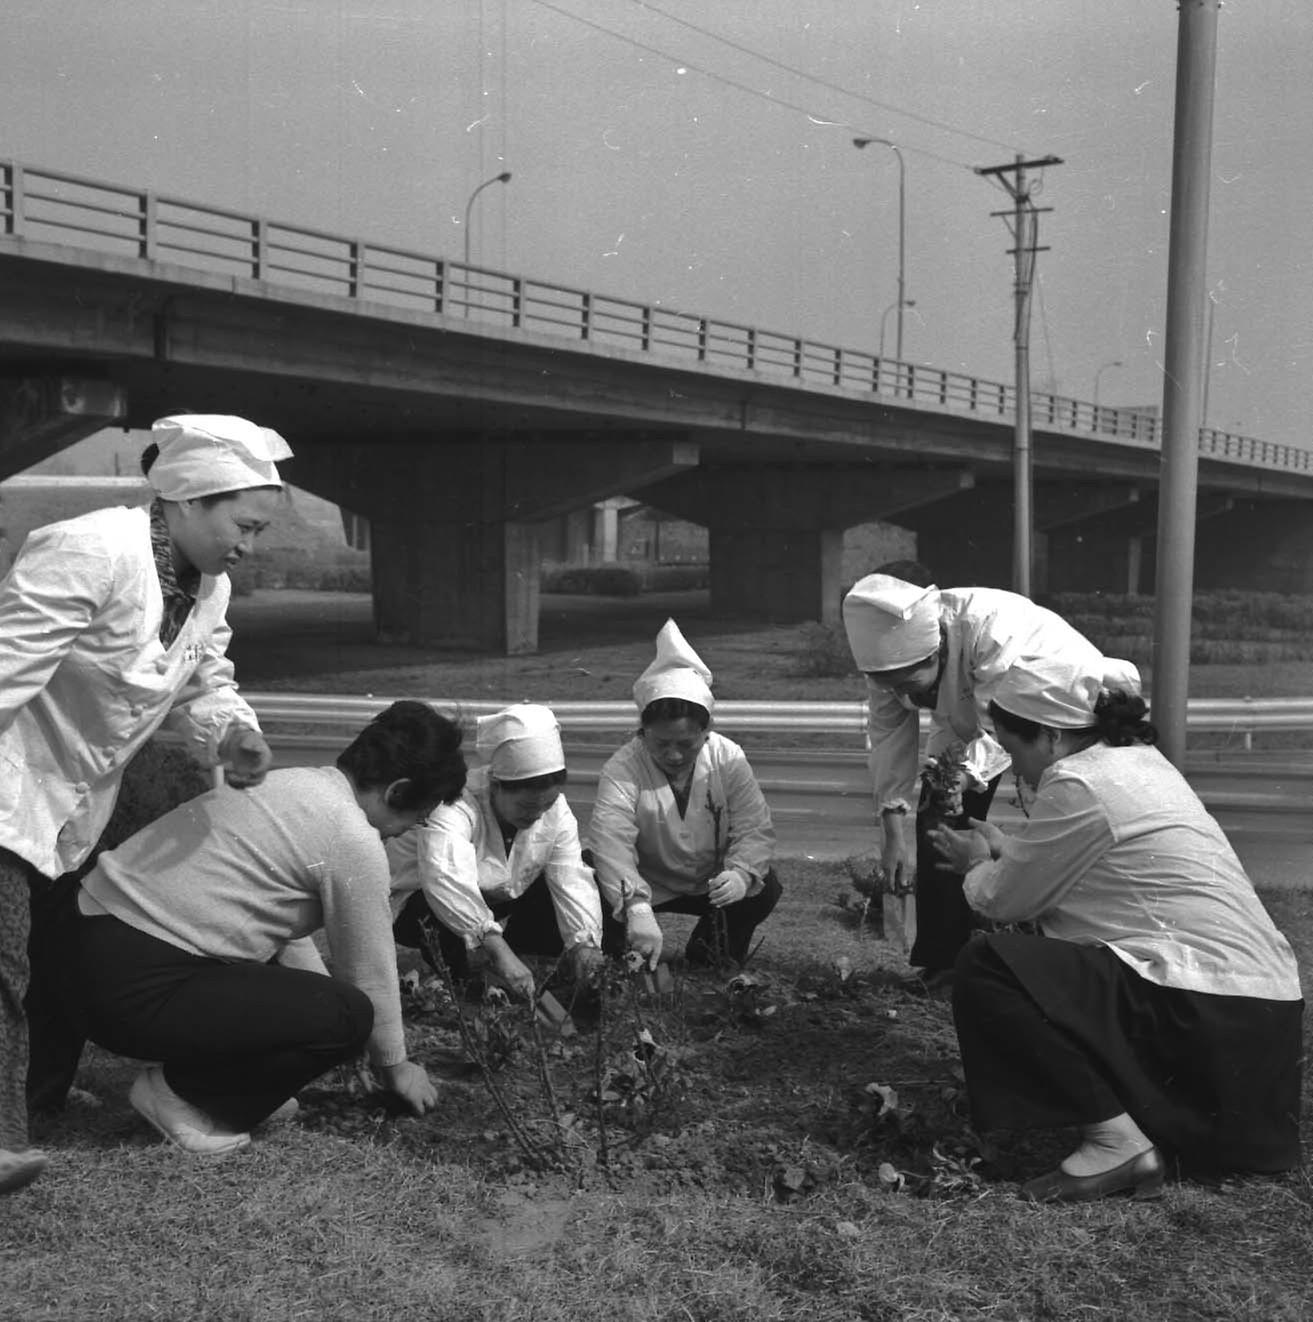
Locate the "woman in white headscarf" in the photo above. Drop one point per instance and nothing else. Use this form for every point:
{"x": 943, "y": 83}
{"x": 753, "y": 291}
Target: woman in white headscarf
{"x": 942, "y": 651}
{"x": 111, "y": 625}
{"x": 679, "y": 823}
{"x": 1160, "y": 1011}
{"x": 500, "y": 869}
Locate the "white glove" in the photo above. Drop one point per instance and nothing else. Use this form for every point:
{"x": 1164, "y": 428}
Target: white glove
{"x": 643, "y": 932}
{"x": 728, "y": 887}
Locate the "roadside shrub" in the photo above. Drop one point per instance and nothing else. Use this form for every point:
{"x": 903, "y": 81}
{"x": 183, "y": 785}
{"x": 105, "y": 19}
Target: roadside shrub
{"x": 338, "y": 570}
{"x": 674, "y": 578}
{"x": 825, "y": 652}
{"x": 600, "y": 580}
{"x": 1227, "y": 628}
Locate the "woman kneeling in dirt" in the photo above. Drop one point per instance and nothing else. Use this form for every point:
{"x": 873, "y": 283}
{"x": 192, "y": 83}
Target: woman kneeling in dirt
{"x": 177, "y": 932}
{"x": 1160, "y": 1009}
{"x": 501, "y": 868}
{"x": 679, "y": 823}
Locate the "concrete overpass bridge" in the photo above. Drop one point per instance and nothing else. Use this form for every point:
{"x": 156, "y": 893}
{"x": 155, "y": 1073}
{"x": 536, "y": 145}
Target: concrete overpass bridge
{"x": 458, "y": 407}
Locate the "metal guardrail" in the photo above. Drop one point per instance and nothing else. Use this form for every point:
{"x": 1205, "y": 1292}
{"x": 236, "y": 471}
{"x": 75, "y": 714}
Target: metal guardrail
{"x": 37, "y": 204}
{"x": 1238, "y": 716}
{"x": 821, "y": 797}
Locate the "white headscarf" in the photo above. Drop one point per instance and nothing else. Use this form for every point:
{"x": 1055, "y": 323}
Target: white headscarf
{"x": 1052, "y": 691}
{"x": 521, "y": 742}
{"x": 204, "y": 454}
{"x": 676, "y": 672}
{"x": 890, "y": 623}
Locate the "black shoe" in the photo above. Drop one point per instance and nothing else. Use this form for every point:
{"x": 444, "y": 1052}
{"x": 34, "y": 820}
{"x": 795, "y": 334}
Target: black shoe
{"x": 1142, "y": 1177}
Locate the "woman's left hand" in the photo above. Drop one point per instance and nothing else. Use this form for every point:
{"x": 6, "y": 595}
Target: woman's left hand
{"x": 727, "y": 887}
{"x": 959, "y": 849}
{"x": 246, "y": 757}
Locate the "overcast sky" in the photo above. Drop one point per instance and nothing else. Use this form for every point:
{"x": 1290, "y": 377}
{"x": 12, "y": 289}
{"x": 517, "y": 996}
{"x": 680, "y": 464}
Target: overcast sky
{"x": 652, "y": 161}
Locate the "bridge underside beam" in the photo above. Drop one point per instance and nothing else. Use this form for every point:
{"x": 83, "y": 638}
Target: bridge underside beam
{"x": 41, "y": 415}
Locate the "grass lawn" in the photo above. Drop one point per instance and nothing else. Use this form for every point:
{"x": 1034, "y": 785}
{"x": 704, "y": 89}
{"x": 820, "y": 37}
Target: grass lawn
{"x": 752, "y": 1175}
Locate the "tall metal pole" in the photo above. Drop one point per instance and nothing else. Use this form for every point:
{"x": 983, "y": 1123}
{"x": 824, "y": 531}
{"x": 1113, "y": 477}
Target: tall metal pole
{"x": 1187, "y": 295}
{"x": 1023, "y": 557}
{"x": 902, "y": 236}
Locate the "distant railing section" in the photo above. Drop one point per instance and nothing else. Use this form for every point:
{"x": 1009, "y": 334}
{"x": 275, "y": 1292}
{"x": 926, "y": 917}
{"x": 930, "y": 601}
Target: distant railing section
{"x": 55, "y": 207}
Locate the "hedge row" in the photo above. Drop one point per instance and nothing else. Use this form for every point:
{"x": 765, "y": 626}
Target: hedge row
{"x": 337, "y": 570}
{"x": 1219, "y": 614}
{"x": 622, "y": 580}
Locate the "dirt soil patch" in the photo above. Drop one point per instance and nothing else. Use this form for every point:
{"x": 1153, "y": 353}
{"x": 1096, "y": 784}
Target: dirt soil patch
{"x": 799, "y": 1073}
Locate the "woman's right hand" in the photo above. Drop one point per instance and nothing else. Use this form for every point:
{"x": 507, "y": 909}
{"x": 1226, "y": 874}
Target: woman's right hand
{"x": 410, "y": 1082}
{"x": 507, "y": 967}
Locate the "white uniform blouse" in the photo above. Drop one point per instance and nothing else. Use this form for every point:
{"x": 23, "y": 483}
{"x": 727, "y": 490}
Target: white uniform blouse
{"x": 644, "y": 850}
{"x": 1119, "y": 851}
{"x": 459, "y": 861}
{"x": 986, "y": 630}
{"x": 85, "y": 681}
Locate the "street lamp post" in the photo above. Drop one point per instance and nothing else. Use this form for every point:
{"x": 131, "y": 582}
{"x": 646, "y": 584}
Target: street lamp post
{"x": 902, "y": 234}
{"x": 1115, "y": 363}
{"x": 884, "y": 321}
{"x": 503, "y": 178}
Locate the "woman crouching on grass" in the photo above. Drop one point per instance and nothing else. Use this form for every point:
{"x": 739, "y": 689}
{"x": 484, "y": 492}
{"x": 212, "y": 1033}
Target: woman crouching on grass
{"x": 178, "y": 931}
{"x": 500, "y": 869}
{"x": 1160, "y": 1010}
{"x": 679, "y": 824}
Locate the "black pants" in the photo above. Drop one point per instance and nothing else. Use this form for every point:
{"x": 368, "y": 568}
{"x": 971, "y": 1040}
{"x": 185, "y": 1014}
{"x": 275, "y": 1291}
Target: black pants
{"x": 706, "y": 944}
{"x": 1054, "y": 1034}
{"x": 55, "y": 1040}
{"x": 235, "y": 1040}
{"x": 528, "y": 925}
{"x": 943, "y": 917}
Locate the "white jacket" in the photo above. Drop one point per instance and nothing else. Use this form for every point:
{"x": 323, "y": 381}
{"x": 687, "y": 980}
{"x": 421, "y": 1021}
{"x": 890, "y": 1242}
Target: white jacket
{"x": 644, "y": 850}
{"x": 457, "y": 858}
{"x": 986, "y": 631}
{"x": 85, "y": 681}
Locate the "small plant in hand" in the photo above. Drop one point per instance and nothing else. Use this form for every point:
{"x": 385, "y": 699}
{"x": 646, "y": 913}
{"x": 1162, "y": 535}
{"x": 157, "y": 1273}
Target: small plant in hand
{"x": 943, "y": 779}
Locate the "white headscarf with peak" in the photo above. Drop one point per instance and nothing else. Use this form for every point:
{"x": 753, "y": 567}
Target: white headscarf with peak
{"x": 521, "y": 742}
{"x": 204, "y": 454}
{"x": 676, "y": 672}
{"x": 890, "y": 623}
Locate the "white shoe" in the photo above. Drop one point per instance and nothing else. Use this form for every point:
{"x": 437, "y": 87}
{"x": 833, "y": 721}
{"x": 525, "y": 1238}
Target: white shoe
{"x": 179, "y": 1121}
{"x": 19, "y": 1169}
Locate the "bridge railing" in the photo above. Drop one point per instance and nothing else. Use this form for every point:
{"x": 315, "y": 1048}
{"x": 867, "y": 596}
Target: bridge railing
{"x": 47, "y": 205}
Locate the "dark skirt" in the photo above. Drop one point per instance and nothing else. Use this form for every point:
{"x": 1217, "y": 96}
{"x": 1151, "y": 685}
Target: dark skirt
{"x": 1055, "y": 1034}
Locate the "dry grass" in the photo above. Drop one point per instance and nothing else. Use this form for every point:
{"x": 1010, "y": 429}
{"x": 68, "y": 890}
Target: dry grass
{"x": 395, "y": 1218}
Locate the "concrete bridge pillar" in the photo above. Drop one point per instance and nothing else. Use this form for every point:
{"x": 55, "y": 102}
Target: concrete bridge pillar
{"x": 455, "y": 525}
{"x": 777, "y": 574}
{"x": 776, "y": 534}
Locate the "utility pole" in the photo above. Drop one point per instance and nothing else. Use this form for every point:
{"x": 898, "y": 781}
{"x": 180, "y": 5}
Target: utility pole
{"x": 1024, "y": 225}
{"x": 1185, "y": 363}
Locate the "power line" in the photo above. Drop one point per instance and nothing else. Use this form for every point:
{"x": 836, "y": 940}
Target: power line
{"x": 822, "y": 120}
{"x": 833, "y": 87}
